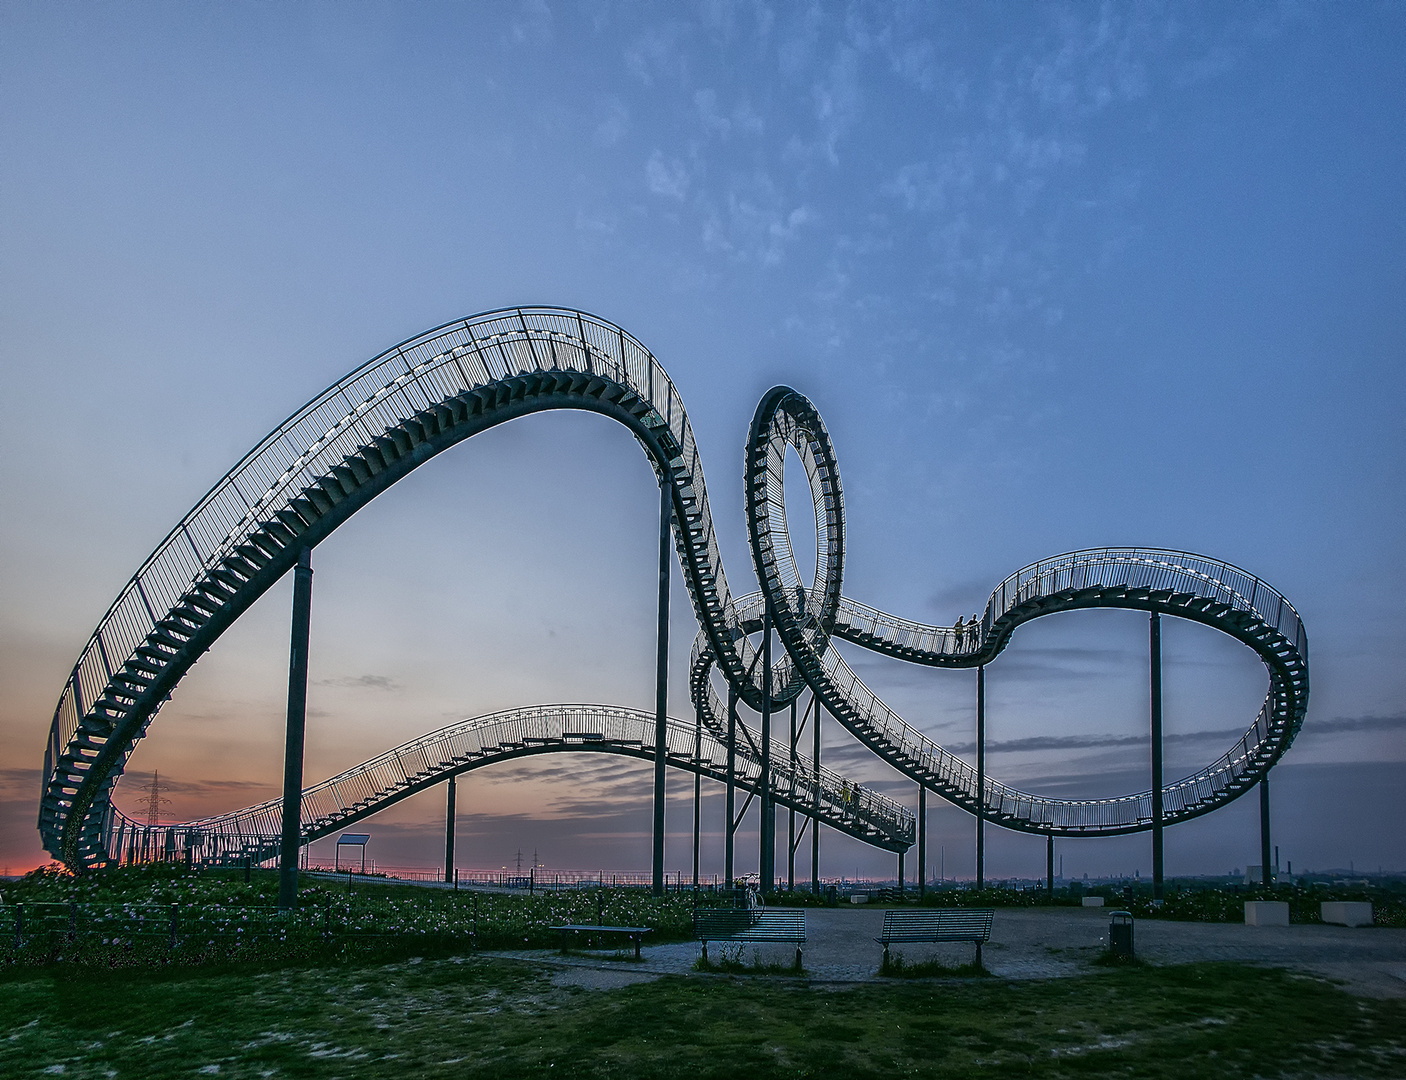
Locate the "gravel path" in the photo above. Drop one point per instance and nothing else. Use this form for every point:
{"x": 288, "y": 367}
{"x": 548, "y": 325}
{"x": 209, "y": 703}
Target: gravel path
{"x": 1037, "y": 943}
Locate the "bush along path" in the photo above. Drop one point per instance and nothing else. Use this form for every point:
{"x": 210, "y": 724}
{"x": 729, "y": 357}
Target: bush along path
{"x": 168, "y": 914}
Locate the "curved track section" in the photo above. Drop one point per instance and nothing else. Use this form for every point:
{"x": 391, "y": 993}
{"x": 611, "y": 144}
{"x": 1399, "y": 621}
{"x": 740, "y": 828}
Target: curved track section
{"x": 386, "y": 418}
{"x": 1169, "y": 582}
{"x": 345, "y": 799}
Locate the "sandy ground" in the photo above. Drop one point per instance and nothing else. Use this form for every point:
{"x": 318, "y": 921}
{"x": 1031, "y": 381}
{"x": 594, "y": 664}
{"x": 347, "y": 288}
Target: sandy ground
{"x": 1037, "y": 943}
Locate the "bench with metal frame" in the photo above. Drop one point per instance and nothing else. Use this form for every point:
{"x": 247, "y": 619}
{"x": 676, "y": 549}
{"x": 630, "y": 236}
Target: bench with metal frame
{"x": 632, "y": 933}
{"x": 760, "y": 925}
{"x": 937, "y": 925}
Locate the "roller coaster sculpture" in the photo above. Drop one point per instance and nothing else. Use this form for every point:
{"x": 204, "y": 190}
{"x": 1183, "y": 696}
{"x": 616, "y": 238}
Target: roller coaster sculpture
{"x": 397, "y": 411}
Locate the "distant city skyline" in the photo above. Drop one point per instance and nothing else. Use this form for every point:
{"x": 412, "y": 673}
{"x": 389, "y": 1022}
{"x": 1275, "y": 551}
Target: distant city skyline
{"x": 1056, "y": 276}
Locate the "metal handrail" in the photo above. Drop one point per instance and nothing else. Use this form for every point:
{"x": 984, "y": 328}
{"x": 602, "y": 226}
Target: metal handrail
{"x": 335, "y": 803}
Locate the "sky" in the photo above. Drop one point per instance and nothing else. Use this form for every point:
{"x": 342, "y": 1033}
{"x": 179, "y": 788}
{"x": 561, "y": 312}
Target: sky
{"x": 1055, "y": 275}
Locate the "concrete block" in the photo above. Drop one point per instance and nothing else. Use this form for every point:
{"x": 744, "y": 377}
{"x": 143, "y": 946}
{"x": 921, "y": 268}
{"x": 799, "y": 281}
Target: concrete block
{"x": 1266, "y": 913}
{"x": 859, "y": 898}
{"x": 1093, "y": 901}
{"x": 1347, "y": 912}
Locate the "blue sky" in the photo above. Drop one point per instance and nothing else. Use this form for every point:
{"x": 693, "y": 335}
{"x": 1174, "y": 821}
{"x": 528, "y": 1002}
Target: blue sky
{"x": 1055, "y": 275}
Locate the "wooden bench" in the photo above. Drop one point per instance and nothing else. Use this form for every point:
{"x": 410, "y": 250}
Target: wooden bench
{"x": 754, "y": 925}
{"x": 937, "y": 924}
{"x": 632, "y": 933}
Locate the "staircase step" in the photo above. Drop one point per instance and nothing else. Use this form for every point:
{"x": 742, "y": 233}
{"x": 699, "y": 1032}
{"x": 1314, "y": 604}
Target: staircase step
{"x": 319, "y": 499}
{"x": 305, "y": 510}
{"x": 254, "y": 555}
{"x": 346, "y": 475}
{"x": 240, "y": 566}
{"x": 290, "y": 520}
{"x": 215, "y": 590}
{"x": 228, "y": 578}
{"x": 266, "y": 542}
{"x": 191, "y": 614}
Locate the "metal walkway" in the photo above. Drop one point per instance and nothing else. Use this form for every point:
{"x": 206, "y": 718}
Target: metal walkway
{"x": 358, "y": 793}
{"x": 386, "y": 418}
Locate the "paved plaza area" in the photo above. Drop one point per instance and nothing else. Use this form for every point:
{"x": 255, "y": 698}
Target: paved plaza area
{"x": 1036, "y": 943}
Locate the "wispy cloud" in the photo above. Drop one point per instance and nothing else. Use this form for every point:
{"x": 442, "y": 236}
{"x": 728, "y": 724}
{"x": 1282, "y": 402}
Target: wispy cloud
{"x": 362, "y": 682}
{"x": 613, "y": 122}
{"x": 1340, "y": 724}
{"x": 666, "y": 176}
{"x": 532, "y": 24}
{"x": 1042, "y": 743}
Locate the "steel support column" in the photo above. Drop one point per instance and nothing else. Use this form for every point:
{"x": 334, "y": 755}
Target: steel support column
{"x": 1154, "y": 649}
{"x": 1266, "y": 870}
{"x": 697, "y": 792}
{"x": 1049, "y": 863}
{"x": 922, "y": 841}
{"x": 661, "y": 681}
{"x": 981, "y": 776}
{"x": 900, "y": 875}
{"x": 815, "y": 818}
{"x": 294, "y": 733}
{"x": 730, "y": 840}
{"x": 449, "y": 832}
{"x": 791, "y": 813}
{"x": 767, "y": 867}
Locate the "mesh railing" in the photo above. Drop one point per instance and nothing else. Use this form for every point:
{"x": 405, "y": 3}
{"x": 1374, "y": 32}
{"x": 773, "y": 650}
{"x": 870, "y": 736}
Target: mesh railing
{"x": 254, "y": 831}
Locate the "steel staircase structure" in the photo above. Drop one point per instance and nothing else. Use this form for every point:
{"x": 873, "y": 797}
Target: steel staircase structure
{"x": 389, "y": 416}
{"x": 343, "y": 800}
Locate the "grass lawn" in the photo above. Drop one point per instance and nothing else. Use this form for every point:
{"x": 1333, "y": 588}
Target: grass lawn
{"x": 475, "y": 1016}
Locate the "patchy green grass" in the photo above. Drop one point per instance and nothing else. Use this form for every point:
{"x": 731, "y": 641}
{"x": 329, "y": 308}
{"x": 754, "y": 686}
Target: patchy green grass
{"x": 896, "y": 966}
{"x": 1109, "y": 958}
{"x": 481, "y": 1017}
{"x": 728, "y": 961}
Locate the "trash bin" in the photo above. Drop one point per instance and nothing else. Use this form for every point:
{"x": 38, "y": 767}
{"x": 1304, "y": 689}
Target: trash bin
{"x": 1120, "y": 934}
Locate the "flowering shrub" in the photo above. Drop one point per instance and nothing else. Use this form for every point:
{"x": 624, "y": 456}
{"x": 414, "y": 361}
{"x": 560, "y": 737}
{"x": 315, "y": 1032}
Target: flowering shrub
{"x": 1228, "y": 905}
{"x": 1195, "y": 903}
{"x": 130, "y": 912}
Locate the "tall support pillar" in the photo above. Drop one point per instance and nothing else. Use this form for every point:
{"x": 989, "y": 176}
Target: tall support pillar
{"x": 1266, "y": 870}
{"x": 1154, "y": 648}
{"x": 922, "y": 841}
{"x": 661, "y": 681}
{"x": 791, "y": 813}
{"x": 981, "y": 777}
{"x": 697, "y": 792}
{"x": 768, "y": 810}
{"x": 449, "y": 811}
{"x": 730, "y": 841}
{"x": 1049, "y": 863}
{"x": 294, "y": 733}
{"x": 815, "y": 817}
